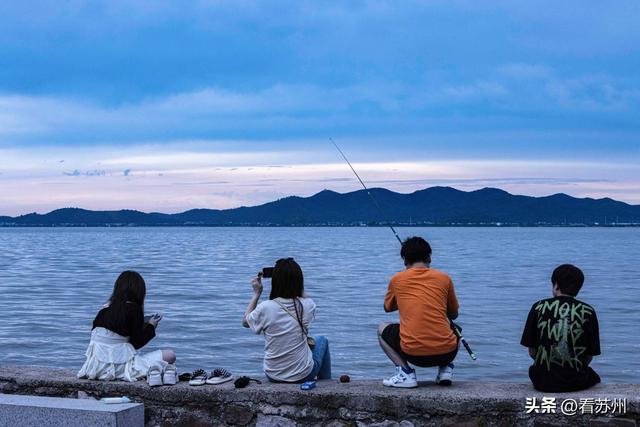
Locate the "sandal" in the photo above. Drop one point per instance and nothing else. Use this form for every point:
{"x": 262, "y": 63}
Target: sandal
{"x": 219, "y": 376}
{"x": 199, "y": 377}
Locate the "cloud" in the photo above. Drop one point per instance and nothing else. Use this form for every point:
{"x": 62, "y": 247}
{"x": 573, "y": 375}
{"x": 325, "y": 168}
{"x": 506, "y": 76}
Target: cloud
{"x": 536, "y": 87}
{"x": 475, "y": 182}
{"x": 520, "y": 70}
{"x": 292, "y": 106}
{"x": 415, "y": 91}
{"x": 249, "y": 178}
{"x": 477, "y": 90}
{"x": 76, "y": 172}
{"x": 288, "y": 111}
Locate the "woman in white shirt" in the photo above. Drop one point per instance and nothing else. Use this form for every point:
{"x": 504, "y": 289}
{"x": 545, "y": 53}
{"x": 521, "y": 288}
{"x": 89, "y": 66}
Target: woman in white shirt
{"x": 290, "y": 354}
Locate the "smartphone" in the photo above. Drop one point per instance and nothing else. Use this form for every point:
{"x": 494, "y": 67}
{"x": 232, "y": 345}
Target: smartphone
{"x": 152, "y": 316}
{"x": 267, "y": 272}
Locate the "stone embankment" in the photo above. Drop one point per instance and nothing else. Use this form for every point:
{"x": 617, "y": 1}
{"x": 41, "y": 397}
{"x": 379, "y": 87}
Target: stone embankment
{"x": 359, "y": 403}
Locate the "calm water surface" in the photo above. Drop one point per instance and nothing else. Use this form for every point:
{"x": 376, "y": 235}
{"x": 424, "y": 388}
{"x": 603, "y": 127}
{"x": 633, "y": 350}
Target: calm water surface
{"x": 53, "y": 282}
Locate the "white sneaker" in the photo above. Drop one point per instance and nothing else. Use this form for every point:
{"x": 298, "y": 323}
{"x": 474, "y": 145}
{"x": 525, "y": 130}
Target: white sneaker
{"x": 170, "y": 375}
{"x": 401, "y": 379}
{"x": 154, "y": 376}
{"x": 445, "y": 375}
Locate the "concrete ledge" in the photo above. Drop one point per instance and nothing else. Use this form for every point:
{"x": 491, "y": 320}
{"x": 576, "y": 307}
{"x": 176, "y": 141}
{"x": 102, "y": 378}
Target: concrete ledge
{"x": 360, "y": 403}
{"x": 36, "y": 411}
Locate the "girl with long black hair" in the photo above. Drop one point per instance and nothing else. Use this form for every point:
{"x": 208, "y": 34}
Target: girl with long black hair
{"x": 290, "y": 354}
{"x": 119, "y": 330}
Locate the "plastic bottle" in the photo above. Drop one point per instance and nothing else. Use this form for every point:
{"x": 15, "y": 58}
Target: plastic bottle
{"x": 112, "y": 400}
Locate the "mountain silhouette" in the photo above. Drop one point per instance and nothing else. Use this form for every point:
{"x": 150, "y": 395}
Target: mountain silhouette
{"x": 431, "y": 206}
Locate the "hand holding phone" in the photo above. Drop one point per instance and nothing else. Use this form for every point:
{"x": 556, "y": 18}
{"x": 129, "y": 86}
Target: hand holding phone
{"x": 155, "y": 319}
{"x": 256, "y": 284}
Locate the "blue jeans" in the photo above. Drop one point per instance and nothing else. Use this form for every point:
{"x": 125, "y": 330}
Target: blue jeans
{"x": 321, "y": 360}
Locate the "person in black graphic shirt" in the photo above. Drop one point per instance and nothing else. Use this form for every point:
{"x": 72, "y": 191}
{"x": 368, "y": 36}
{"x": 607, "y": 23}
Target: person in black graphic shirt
{"x": 562, "y": 336}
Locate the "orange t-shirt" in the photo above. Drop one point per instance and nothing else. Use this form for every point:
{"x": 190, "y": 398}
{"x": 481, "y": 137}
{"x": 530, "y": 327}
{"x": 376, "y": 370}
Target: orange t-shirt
{"x": 422, "y": 296}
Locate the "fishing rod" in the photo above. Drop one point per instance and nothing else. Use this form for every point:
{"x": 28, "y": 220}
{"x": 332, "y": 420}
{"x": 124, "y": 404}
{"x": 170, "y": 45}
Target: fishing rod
{"x": 456, "y": 329}
{"x": 458, "y": 332}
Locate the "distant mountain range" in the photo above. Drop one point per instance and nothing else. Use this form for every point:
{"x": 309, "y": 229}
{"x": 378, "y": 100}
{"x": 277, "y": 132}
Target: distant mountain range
{"x": 437, "y": 206}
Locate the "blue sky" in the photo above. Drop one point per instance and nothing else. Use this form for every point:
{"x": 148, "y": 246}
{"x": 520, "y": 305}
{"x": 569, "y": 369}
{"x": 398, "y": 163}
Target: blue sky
{"x": 167, "y": 106}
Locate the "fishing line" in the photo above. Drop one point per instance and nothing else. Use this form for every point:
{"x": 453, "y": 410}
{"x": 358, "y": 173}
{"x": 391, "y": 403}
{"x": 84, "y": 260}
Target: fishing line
{"x": 455, "y": 328}
{"x": 367, "y": 190}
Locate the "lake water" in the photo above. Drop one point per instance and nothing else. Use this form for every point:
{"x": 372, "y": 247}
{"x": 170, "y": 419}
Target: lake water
{"x": 53, "y": 282}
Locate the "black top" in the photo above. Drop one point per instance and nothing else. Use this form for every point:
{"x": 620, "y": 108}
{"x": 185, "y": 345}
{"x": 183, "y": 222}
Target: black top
{"x": 564, "y": 333}
{"x": 126, "y": 319}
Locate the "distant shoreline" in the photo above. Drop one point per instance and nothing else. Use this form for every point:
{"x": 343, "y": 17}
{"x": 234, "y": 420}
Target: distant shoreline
{"x": 323, "y": 226}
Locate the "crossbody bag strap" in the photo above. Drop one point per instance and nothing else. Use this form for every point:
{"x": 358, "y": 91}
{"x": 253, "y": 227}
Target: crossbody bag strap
{"x": 304, "y": 330}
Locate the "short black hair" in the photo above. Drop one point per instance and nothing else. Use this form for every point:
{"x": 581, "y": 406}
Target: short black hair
{"x": 569, "y": 279}
{"x": 415, "y": 249}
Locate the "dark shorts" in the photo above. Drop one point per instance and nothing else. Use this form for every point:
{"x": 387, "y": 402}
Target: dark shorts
{"x": 558, "y": 380}
{"x": 391, "y": 335}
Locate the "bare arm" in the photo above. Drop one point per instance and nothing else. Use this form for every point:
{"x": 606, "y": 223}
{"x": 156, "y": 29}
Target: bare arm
{"x": 256, "y": 284}
{"x": 452, "y": 314}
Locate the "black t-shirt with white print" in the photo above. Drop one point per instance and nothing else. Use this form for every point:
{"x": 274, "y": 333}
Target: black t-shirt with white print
{"x": 564, "y": 332}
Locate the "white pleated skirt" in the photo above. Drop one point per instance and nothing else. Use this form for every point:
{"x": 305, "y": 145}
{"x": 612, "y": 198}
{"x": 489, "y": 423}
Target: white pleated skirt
{"x": 111, "y": 357}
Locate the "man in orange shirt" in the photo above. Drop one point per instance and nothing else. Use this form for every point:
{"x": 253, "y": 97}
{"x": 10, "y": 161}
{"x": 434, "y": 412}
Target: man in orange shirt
{"x": 426, "y": 302}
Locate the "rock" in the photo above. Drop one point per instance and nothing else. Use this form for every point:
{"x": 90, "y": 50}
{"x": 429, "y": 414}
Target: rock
{"x": 461, "y": 422}
{"x": 238, "y": 415}
{"x": 387, "y": 423}
{"x": 274, "y": 421}
{"x": 186, "y": 421}
{"x": 551, "y": 422}
{"x": 612, "y": 422}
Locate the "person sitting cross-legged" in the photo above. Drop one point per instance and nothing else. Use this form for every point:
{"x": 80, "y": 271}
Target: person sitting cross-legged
{"x": 426, "y": 301}
{"x": 291, "y": 355}
{"x": 119, "y": 330}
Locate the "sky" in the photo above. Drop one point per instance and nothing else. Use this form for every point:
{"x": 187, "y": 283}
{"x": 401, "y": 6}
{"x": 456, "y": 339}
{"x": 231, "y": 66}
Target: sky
{"x": 167, "y": 106}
